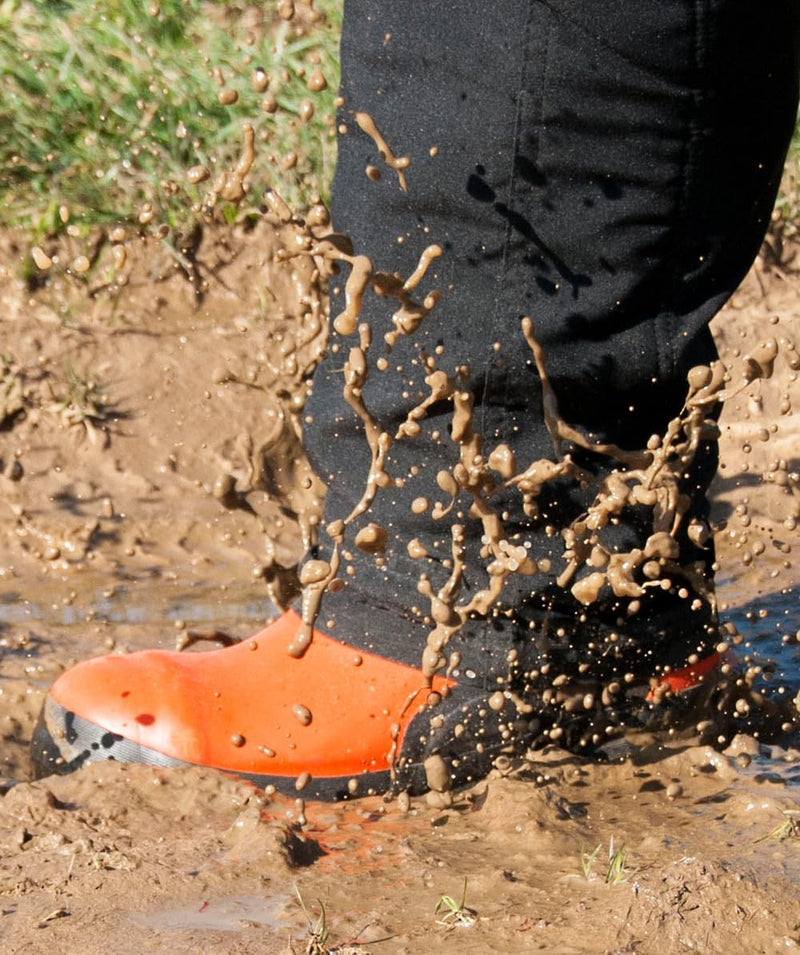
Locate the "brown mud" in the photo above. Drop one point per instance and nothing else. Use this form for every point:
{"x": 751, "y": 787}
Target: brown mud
{"x": 151, "y": 479}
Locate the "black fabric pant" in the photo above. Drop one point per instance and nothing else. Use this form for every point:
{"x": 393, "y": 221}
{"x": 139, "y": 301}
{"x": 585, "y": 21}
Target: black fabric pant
{"x": 607, "y": 167}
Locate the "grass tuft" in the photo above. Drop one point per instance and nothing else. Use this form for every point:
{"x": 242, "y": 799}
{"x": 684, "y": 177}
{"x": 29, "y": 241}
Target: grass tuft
{"x": 616, "y": 870}
{"x": 454, "y": 914}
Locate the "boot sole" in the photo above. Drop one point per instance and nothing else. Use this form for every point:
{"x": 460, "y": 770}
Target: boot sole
{"x": 63, "y": 742}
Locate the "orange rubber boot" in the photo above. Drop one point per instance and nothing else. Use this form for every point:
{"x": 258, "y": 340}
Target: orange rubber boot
{"x": 340, "y": 715}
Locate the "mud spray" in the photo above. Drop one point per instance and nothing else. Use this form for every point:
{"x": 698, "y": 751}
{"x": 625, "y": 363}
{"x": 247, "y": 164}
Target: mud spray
{"x": 651, "y": 479}
{"x": 755, "y": 377}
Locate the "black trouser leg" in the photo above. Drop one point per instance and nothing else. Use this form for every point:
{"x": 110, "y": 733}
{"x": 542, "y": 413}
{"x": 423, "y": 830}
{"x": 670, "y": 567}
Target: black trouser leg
{"x": 606, "y": 167}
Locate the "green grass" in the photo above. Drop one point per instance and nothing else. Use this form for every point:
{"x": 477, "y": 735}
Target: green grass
{"x": 616, "y": 869}
{"x": 105, "y": 105}
{"x": 787, "y": 207}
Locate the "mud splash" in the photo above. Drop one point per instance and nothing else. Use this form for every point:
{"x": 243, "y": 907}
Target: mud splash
{"x": 648, "y": 479}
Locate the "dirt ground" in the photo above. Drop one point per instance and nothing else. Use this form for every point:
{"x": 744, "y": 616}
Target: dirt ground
{"x": 131, "y": 413}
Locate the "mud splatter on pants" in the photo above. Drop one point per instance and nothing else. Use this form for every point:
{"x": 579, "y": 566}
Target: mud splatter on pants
{"x": 605, "y": 167}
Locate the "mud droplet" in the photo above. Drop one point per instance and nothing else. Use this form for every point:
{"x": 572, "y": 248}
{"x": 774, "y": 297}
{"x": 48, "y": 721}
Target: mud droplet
{"x": 269, "y": 104}
{"x": 503, "y": 461}
{"x": 313, "y": 571}
{"x": 238, "y": 740}
{"x": 227, "y": 96}
{"x": 439, "y": 800}
{"x": 81, "y": 264}
{"x": 120, "y": 256}
{"x": 317, "y": 82}
{"x": 398, "y": 163}
{"x": 198, "y": 174}
{"x": 260, "y": 80}
{"x": 416, "y": 549}
{"x": 436, "y": 774}
{"x": 302, "y": 714}
{"x": 447, "y": 483}
{"x": 40, "y": 259}
{"x": 586, "y": 591}
{"x": 372, "y": 539}
{"x": 335, "y": 529}
{"x": 318, "y": 215}
{"x": 302, "y": 781}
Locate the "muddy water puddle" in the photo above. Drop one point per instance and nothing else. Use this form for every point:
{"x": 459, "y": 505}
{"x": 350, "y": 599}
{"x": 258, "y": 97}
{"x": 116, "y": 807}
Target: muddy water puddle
{"x": 769, "y": 628}
{"x": 46, "y": 625}
{"x": 104, "y": 601}
{"x": 222, "y": 915}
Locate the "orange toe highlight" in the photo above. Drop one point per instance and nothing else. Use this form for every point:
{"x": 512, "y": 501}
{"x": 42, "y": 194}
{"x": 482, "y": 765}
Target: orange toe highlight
{"x": 252, "y": 708}
{"x": 689, "y": 676}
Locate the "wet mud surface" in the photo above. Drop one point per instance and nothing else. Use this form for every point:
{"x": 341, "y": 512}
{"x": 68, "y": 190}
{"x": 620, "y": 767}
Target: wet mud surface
{"x": 137, "y": 420}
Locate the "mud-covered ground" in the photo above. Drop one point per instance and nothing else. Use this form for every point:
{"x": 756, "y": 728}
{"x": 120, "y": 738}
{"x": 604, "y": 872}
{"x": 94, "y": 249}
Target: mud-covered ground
{"x": 130, "y": 414}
